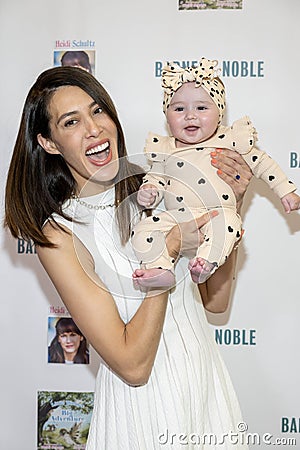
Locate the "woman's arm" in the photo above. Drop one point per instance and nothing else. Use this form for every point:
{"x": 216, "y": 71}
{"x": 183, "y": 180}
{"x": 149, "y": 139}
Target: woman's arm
{"x": 129, "y": 349}
{"x": 216, "y": 291}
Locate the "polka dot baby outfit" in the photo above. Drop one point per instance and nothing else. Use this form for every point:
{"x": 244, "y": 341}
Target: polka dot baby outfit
{"x": 190, "y": 187}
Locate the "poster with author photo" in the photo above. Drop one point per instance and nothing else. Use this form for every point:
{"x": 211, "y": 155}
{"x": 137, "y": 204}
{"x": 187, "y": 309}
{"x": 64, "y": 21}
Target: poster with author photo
{"x": 209, "y": 4}
{"x": 85, "y": 59}
{"x": 66, "y": 343}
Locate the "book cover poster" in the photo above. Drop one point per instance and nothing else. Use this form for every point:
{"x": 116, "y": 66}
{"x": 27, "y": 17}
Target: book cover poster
{"x": 63, "y": 419}
{"x": 210, "y": 4}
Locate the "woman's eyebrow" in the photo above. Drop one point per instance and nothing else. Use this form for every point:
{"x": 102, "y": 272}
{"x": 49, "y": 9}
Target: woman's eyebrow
{"x": 71, "y": 113}
{"x": 65, "y": 115}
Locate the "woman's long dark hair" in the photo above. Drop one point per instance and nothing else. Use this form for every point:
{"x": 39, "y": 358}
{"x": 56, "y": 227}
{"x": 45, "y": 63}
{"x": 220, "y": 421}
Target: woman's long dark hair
{"x": 56, "y": 354}
{"x": 39, "y": 183}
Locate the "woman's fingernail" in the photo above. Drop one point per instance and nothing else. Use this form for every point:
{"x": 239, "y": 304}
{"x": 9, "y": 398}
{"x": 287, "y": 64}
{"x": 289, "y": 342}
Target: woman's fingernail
{"x": 219, "y": 150}
{"x": 214, "y": 161}
{"x": 219, "y": 172}
{"x": 213, "y": 154}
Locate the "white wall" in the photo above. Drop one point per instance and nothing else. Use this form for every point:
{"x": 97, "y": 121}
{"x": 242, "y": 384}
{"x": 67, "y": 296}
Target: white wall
{"x": 130, "y": 38}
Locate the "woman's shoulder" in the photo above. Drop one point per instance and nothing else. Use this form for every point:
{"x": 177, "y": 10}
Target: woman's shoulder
{"x": 67, "y": 247}
{"x": 56, "y": 232}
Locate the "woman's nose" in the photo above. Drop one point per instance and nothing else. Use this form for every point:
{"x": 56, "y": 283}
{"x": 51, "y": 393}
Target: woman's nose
{"x": 92, "y": 127}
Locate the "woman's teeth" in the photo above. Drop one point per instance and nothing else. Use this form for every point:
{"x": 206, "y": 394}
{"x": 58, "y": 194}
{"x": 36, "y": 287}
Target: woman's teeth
{"x": 98, "y": 149}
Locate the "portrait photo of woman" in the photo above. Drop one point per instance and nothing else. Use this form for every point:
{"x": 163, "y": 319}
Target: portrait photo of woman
{"x": 68, "y": 346}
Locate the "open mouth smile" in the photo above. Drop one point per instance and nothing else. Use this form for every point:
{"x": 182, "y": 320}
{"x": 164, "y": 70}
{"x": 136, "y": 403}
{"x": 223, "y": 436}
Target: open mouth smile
{"x": 100, "y": 155}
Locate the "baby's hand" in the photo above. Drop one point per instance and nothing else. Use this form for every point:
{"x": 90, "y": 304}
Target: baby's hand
{"x": 147, "y": 194}
{"x": 291, "y": 202}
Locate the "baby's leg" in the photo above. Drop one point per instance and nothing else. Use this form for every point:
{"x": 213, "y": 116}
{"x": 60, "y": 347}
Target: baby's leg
{"x": 155, "y": 277}
{"x": 220, "y": 236}
{"x": 148, "y": 240}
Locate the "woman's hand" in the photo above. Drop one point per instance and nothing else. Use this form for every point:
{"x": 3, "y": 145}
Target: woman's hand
{"x": 233, "y": 170}
{"x": 184, "y": 238}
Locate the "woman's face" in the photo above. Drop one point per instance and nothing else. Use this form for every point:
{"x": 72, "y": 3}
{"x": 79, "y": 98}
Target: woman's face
{"x": 85, "y": 137}
{"x": 70, "y": 342}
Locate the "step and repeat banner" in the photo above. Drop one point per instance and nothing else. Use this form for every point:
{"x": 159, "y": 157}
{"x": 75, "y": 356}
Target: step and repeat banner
{"x": 47, "y": 402}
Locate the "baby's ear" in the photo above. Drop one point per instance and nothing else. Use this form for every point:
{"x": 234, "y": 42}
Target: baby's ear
{"x": 47, "y": 145}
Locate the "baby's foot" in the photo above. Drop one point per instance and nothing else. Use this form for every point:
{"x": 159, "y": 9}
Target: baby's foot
{"x": 201, "y": 269}
{"x": 153, "y": 278}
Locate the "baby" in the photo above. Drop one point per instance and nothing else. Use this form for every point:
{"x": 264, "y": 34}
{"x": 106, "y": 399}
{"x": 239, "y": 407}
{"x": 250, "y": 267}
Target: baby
{"x": 181, "y": 173}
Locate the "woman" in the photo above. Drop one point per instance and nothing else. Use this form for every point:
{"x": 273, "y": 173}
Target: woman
{"x": 72, "y": 190}
{"x": 69, "y": 346}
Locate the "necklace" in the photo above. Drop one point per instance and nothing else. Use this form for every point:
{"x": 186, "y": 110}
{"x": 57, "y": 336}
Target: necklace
{"x": 90, "y": 206}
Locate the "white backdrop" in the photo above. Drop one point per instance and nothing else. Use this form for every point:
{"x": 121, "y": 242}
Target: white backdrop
{"x": 259, "y": 44}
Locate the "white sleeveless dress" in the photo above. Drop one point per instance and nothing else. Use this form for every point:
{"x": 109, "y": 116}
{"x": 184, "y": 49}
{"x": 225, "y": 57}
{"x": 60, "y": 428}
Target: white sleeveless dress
{"x": 189, "y": 394}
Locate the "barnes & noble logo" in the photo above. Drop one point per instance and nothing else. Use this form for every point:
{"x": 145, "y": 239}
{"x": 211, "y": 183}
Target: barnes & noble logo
{"x": 290, "y": 424}
{"x": 235, "y": 336}
{"x": 294, "y": 160}
{"x": 24, "y": 247}
{"x": 236, "y": 68}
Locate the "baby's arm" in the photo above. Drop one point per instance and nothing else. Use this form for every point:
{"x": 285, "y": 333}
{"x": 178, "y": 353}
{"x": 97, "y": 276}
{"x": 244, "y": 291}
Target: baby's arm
{"x": 147, "y": 195}
{"x": 154, "y": 182}
{"x": 291, "y": 202}
{"x": 265, "y": 168}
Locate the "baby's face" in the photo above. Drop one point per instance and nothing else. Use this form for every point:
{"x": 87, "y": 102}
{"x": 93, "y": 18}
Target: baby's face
{"x": 192, "y": 115}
